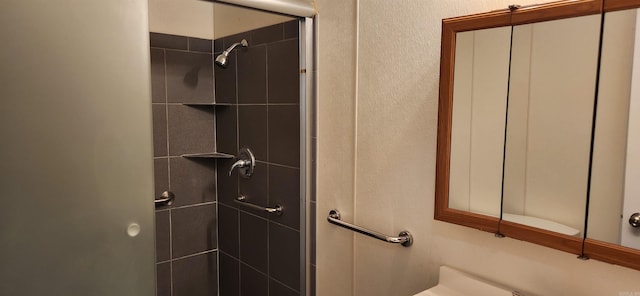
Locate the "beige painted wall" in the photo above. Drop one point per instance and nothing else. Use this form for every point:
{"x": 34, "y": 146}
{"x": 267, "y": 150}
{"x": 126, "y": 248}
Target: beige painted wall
{"x": 231, "y": 20}
{"x": 378, "y": 89}
{"x": 191, "y": 18}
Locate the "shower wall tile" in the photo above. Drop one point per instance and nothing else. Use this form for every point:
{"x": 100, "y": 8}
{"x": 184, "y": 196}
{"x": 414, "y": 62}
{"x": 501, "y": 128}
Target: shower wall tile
{"x": 267, "y": 34}
{"x": 159, "y": 114}
{"x": 276, "y": 288}
{"x": 255, "y": 189}
{"x": 168, "y": 41}
{"x": 253, "y": 241}
{"x": 196, "y": 275}
{"x": 218, "y": 46}
{"x": 252, "y": 75}
{"x": 193, "y": 181}
{"x": 228, "y": 230}
{"x": 158, "y": 92}
{"x": 225, "y": 81}
{"x": 227, "y": 185}
{"x": 284, "y": 135}
{"x": 163, "y": 236}
{"x": 291, "y": 29}
{"x": 161, "y": 175}
{"x": 163, "y": 277}
{"x": 193, "y": 230}
{"x": 189, "y": 77}
{"x": 284, "y": 248}
{"x": 253, "y": 283}
{"x": 200, "y": 45}
{"x": 252, "y": 129}
{"x": 284, "y": 190}
{"x": 226, "y": 129}
{"x": 191, "y": 129}
{"x": 229, "y": 275}
{"x": 283, "y": 71}
{"x": 186, "y": 232}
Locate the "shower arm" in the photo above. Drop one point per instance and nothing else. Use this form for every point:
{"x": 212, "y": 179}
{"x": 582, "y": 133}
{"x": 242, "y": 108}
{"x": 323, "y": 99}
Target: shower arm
{"x": 244, "y": 43}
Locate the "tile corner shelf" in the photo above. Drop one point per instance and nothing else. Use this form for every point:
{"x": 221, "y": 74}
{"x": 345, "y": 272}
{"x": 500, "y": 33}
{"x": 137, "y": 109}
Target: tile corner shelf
{"x": 207, "y": 104}
{"x": 207, "y": 155}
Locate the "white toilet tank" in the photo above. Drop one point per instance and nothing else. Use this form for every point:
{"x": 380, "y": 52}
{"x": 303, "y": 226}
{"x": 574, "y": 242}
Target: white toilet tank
{"x": 456, "y": 283}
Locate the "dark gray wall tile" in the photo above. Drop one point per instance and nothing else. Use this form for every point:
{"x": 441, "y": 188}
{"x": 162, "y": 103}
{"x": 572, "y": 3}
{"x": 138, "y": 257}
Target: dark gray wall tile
{"x": 253, "y": 241}
{"x": 227, "y": 185}
{"x": 312, "y": 238}
{"x": 189, "y": 77}
{"x": 161, "y": 175}
{"x": 313, "y": 280}
{"x": 193, "y": 181}
{"x": 283, "y": 72}
{"x": 225, "y": 81}
{"x": 279, "y": 289}
{"x": 163, "y": 279}
{"x": 252, "y": 131}
{"x": 255, "y": 189}
{"x": 196, "y": 276}
{"x": 284, "y": 248}
{"x": 159, "y": 113}
{"x": 193, "y": 230}
{"x": 252, "y": 75}
{"x": 284, "y": 135}
{"x": 284, "y": 189}
{"x": 291, "y": 29}
{"x": 229, "y": 275}
{"x": 228, "y": 230}
{"x": 226, "y": 129}
{"x": 158, "y": 91}
{"x": 163, "y": 236}
{"x": 218, "y": 45}
{"x": 190, "y": 129}
{"x": 267, "y": 34}
{"x": 168, "y": 41}
{"x": 252, "y": 282}
{"x": 200, "y": 45}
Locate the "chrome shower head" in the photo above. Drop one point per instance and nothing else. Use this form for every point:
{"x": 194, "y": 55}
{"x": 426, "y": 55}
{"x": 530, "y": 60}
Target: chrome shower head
{"x": 221, "y": 59}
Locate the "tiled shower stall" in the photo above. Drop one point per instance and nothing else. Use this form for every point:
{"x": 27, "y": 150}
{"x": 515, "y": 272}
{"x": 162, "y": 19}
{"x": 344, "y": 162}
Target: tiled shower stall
{"x": 206, "y": 242}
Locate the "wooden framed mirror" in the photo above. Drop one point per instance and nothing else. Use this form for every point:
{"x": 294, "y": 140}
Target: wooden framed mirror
{"x": 522, "y": 143}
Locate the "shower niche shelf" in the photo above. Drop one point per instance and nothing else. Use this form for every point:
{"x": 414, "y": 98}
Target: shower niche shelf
{"x": 208, "y": 155}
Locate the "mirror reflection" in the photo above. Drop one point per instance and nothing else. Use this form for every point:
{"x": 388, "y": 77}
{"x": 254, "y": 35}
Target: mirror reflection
{"x": 550, "y": 114}
{"x": 477, "y": 133}
{"x": 615, "y": 194}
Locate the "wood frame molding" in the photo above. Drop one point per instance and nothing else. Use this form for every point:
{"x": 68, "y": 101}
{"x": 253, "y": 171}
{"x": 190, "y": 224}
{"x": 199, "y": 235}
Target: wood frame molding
{"x": 525, "y": 15}
{"x": 613, "y": 5}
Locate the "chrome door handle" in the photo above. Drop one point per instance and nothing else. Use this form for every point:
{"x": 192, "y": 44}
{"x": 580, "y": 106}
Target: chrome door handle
{"x": 634, "y": 220}
{"x": 165, "y": 199}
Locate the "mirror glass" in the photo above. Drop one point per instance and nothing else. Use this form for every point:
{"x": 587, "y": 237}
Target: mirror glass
{"x": 615, "y": 194}
{"x": 477, "y": 133}
{"x": 549, "y": 123}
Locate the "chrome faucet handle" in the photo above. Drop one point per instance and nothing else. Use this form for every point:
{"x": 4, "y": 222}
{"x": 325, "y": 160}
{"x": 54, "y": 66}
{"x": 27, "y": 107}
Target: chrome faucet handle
{"x": 240, "y": 163}
{"x": 245, "y": 164}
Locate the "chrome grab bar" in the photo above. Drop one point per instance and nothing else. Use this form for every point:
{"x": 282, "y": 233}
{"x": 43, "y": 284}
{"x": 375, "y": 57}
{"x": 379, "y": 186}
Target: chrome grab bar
{"x": 275, "y": 210}
{"x": 404, "y": 237}
{"x": 165, "y": 199}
